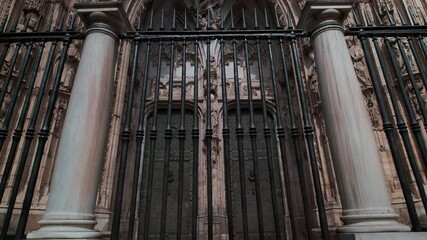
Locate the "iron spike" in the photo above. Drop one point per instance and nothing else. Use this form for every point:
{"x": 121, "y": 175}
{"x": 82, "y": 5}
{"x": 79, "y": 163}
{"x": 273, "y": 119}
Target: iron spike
{"x": 256, "y": 19}
{"x": 267, "y": 23}
{"x": 402, "y": 19}
{"x": 290, "y": 24}
{"x": 197, "y": 19}
{"x": 14, "y": 26}
{"x": 367, "y": 18}
{"x": 150, "y": 27}
{"x": 3, "y": 24}
{"x": 162, "y": 20}
{"x": 73, "y": 21}
{"x": 49, "y": 24}
{"x": 27, "y": 21}
{"x": 356, "y": 18}
{"x": 185, "y": 20}
{"x": 413, "y": 17}
{"x": 390, "y": 16}
{"x": 244, "y": 18}
{"x": 377, "y": 16}
{"x": 139, "y": 24}
{"x": 276, "y": 15}
{"x": 222, "y": 19}
{"x": 38, "y": 24}
{"x": 174, "y": 20}
{"x": 232, "y": 18}
{"x": 424, "y": 17}
{"x": 61, "y": 22}
{"x": 208, "y": 20}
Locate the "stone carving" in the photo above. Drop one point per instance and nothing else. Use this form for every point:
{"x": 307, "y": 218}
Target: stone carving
{"x": 400, "y": 58}
{"x": 357, "y": 56}
{"x": 33, "y": 5}
{"x": 73, "y": 58}
{"x": 301, "y": 3}
{"x": 409, "y": 55}
{"x": 410, "y": 88}
{"x": 373, "y": 109}
{"x": 313, "y": 83}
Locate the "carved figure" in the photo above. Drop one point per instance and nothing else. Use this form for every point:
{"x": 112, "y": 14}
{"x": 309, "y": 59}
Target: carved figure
{"x": 313, "y": 81}
{"x": 357, "y": 56}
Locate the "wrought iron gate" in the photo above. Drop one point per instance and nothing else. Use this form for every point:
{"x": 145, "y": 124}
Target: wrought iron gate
{"x": 216, "y": 112}
{"x": 32, "y": 102}
{"x": 229, "y": 82}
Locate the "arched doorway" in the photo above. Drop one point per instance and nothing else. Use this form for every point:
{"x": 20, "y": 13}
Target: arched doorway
{"x": 230, "y": 181}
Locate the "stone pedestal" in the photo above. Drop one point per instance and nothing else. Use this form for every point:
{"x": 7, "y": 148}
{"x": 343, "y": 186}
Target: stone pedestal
{"x": 361, "y": 182}
{"x": 383, "y": 236}
{"x": 71, "y": 204}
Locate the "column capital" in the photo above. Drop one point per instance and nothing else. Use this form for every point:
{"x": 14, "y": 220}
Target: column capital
{"x": 104, "y": 15}
{"x": 319, "y": 13}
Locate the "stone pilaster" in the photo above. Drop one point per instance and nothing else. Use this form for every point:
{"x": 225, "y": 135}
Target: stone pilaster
{"x": 365, "y": 198}
{"x": 71, "y": 204}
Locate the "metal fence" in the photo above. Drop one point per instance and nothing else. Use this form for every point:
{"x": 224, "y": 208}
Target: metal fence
{"x": 246, "y": 70}
{"x": 21, "y": 55}
{"x": 396, "y": 54}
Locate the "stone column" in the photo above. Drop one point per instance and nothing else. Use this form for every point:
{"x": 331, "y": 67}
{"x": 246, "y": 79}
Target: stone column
{"x": 73, "y": 190}
{"x": 361, "y": 181}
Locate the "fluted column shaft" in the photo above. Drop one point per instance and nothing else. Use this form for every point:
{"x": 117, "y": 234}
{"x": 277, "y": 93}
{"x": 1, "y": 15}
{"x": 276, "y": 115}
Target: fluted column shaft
{"x": 361, "y": 181}
{"x": 73, "y": 190}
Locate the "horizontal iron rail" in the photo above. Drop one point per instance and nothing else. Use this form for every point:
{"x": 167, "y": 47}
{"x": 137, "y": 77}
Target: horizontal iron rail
{"x": 388, "y": 31}
{"x": 368, "y": 31}
{"x": 225, "y": 34}
{"x": 40, "y": 36}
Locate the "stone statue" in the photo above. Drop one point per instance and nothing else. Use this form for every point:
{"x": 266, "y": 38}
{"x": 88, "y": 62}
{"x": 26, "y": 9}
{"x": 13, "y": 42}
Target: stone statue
{"x": 313, "y": 82}
{"x": 357, "y": 56}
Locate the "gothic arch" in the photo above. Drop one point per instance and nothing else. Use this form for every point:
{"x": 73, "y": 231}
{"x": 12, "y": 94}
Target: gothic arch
{"x": 284, "y": 8}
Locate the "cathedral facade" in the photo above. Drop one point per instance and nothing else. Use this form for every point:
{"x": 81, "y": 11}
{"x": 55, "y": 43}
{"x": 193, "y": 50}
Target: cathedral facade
{"x": 200, "y": 119}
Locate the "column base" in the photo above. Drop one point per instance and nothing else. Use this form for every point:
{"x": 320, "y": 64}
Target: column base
{"x": 66, "y": 229}
{"x": 383, "y": 236}
{"x": 371, "y": 223}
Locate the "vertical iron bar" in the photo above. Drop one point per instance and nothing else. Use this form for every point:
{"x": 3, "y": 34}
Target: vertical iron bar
{"x": 12, "y": 66}
{"x": 239, "y": 135}
{"x": 7, "y": 169}
{"x": 4, "y": 130}
{"x": 9, "y": 72}
{"x": 253, "y": 135}
{"x": 421, "y": 68}
{"x": 294, "y": 133}
{"x": 7, "y": 44}
{"x": 126, "y": 135}
{"x": 413, "y": 80}
{"x": 388, "y": 129}
{"x": 168, "y": 138}
{"x": 414, "y": 125}
{"x": 139, "y": 136}
{"x": 226, "y": 138}
{"x": 267, "y": 136}
{"x": 153, "y": 139}
{"x": 419, "y": 37}
{"x": 195, "y": 136}
{"x": 415, "y": 54}
{"x": 43, "y": 134}
{"x": 17, "y": 135}
{"x": 209, "y": 133}
{"x": 6, "y": 47}
{"x": 182, "y": 135}
{"x": 308, "y": 132}
{"x": 30, "y": 133}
